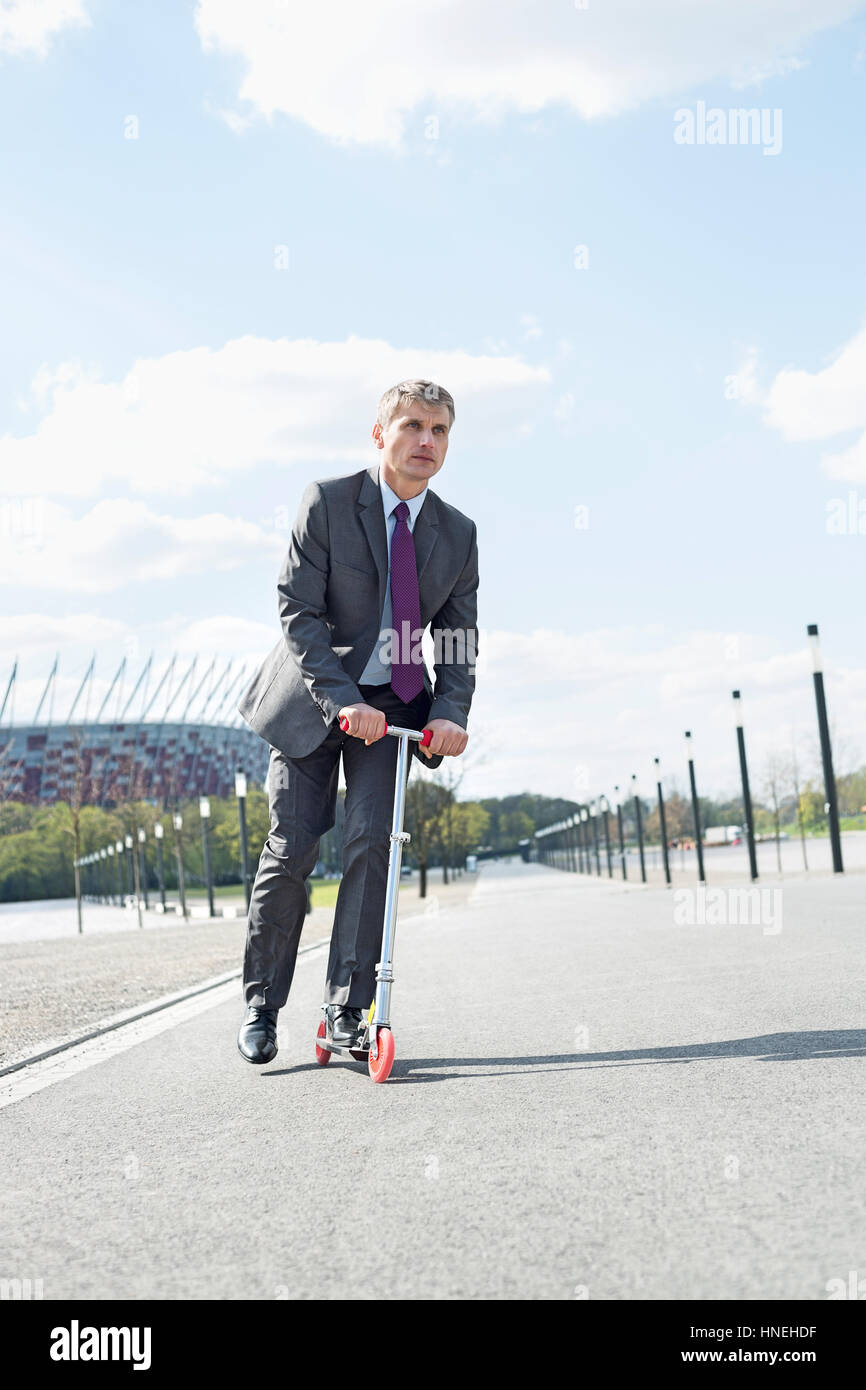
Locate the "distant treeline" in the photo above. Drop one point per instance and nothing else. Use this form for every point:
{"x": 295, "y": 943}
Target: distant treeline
{"x": 37, "y": 842}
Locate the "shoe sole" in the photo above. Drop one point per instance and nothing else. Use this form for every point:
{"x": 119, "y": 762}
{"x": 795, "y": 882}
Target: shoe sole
{"x": 256, "y": 1061}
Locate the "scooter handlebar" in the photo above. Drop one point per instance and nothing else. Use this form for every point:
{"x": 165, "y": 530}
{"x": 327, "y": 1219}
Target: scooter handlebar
{"x": 423, "y": 737}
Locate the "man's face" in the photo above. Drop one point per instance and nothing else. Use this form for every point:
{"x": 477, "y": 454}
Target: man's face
{"x": 413, "y": 445}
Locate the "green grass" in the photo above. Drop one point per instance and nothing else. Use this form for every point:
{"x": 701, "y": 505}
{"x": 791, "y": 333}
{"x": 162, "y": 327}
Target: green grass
{"x": 325, "y": 894}
{"x": 324, "y": 891}
{"x": 819, "y": 832}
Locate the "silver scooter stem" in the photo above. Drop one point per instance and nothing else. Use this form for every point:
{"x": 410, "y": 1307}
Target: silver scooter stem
{"x": 399, "y": 838}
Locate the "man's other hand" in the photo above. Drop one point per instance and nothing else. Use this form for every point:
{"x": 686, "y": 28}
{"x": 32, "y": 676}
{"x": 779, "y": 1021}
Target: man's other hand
{"x": 365, "y": 722}
{"x": 448, "y": 739}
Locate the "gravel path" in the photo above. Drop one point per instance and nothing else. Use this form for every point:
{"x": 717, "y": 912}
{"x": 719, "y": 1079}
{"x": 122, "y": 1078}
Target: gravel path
{"x": 57, "y": 988}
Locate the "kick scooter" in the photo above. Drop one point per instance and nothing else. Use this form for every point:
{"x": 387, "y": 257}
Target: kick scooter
{"x": 376, "y": 1044}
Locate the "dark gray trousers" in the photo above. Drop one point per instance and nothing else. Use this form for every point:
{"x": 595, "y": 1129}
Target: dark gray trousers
{"x": 302, "y": 797}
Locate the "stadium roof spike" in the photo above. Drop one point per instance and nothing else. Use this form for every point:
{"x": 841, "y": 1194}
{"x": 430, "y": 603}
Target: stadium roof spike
{"x": 165, "y": 675}
{"x": 110, "y": 688}
{"x": 195, "y": 692}
{"x": 179, "y": 688}
{"x": 215, "y": 688}
{"x": 232, "y": 687}
{"x": 135, "y": 687}
{"x": 87, "y": 676}
{"x": 51, "y": 676}
{"x": 10, "y": 689}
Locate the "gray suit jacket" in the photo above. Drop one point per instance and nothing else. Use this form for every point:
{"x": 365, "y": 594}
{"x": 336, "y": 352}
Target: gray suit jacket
{"x": 331, "y": 590}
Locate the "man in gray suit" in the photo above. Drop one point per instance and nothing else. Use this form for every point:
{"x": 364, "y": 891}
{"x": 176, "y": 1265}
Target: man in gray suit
{"x": 374, "y": 558}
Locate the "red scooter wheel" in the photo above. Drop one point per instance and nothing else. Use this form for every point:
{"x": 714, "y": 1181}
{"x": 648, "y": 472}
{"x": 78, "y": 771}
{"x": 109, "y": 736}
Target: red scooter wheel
{"x": 323, "y": 1056}
{"x": 380, "y": 1067}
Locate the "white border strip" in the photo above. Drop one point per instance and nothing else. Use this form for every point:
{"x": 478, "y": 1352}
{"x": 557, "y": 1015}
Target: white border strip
{"x": 114, "y": 1037}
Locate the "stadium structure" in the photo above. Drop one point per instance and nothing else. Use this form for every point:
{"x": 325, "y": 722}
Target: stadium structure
{"x": 184, "y": 739}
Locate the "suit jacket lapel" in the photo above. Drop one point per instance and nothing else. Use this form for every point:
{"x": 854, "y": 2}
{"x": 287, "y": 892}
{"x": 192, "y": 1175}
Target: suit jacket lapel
{"x": 425, "y": 531}
{"x": 373, "y": 522}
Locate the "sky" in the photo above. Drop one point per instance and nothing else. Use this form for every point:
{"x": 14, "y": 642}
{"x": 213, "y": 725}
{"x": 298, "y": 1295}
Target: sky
{"x": 226, "y": 229}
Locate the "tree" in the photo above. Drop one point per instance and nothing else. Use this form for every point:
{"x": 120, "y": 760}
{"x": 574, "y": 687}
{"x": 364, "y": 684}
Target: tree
{"x": 774, "y": 781}
{"x": 424, "y": 800}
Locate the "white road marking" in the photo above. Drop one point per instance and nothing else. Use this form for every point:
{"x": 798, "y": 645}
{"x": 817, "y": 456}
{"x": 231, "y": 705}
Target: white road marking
{"x": 47, "y": 1072}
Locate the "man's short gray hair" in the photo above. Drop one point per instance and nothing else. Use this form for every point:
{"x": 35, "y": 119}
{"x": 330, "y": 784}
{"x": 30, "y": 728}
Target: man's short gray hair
{"x": 425, "y": 392}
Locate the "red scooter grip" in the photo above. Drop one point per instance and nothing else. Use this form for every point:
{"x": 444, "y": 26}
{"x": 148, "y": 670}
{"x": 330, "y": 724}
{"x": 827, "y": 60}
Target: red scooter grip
{"x": 428, "y": 733}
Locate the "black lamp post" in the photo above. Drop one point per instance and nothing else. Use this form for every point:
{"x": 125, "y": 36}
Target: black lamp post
{"x": 177, "y": 821}
{"x": 158, "y": 831}
{"x": 605, "y": 810}
{"x": 572, "y": 863}
{"x": 112, "y": 870}
{"x": 241, "y": 794}
{"x": 130, "y": 875}
{"x": 696, "y": 815}
{"x": 639, "y": 823}
{"x": 831, "y": 806}
{"x": 744, "y": 778}
{"x": 621, "y": 839}
{"x": 663, "y": 829}
{"x": 593, "y": 811}
{"x": 142, "y": 863}
{"x": 118, "y": 857}
{"x": 204, "y": 812}
{"x": 134, "y": 858}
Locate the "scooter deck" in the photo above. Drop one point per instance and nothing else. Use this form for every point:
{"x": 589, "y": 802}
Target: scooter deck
{"x": 360, "y": 1051}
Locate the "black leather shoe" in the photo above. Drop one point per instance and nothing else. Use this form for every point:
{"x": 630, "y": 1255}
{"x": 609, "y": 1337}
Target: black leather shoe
{"x": 344, "y": 1024}
{"x": 257, "y": 1040}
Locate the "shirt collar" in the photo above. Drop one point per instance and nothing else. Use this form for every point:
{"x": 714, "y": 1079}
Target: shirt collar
{"x": 390, "y": 500}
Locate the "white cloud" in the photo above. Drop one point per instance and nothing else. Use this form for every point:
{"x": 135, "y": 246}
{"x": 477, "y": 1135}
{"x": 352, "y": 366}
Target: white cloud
{"x": 355, "y": 73}
{"x": 572, "y": 715}
{"x": 805, "y": 405}
{"x": 45, "y": 632}
{"x": 743, "y": 385}
{"x": 26, "y": 26}
{"x": 192, "y": 419}
{"x": 122, "y": 541}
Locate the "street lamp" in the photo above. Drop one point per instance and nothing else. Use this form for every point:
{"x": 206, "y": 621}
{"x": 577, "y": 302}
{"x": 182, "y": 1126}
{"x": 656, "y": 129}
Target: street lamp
{"x": 137, "y": 887}
{"x": 696, "y": 815}
{"x": 204, "y": 812}
{"x": 830, "y": 807}
{"x": 177, "y": 822}
{"x": 593, "y": 809}
{"x": 127, "y": 859}
{"x": 639, "y": 823}
{"x": 116, "y": 866}
{"x": 663, "y": 829}
{"x": 241, "y": 794}
{"x": 744, "y": 778}
{"x": 158, "y": 832}
{"x": 142, "y": 863}
{"x": 569, "y": 843}
{"x": 605, "y": 809}
{"x": 619, "y": 827}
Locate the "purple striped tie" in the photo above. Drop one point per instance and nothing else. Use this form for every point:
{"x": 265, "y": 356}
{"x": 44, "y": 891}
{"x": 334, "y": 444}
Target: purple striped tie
{"x": 407, "y": 680}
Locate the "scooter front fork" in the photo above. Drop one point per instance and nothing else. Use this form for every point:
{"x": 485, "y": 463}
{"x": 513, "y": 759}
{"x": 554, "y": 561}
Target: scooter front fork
{"x": 385, "y": 967}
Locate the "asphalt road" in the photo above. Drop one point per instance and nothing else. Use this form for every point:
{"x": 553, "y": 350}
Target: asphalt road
{"x": 589, "y": 1100}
